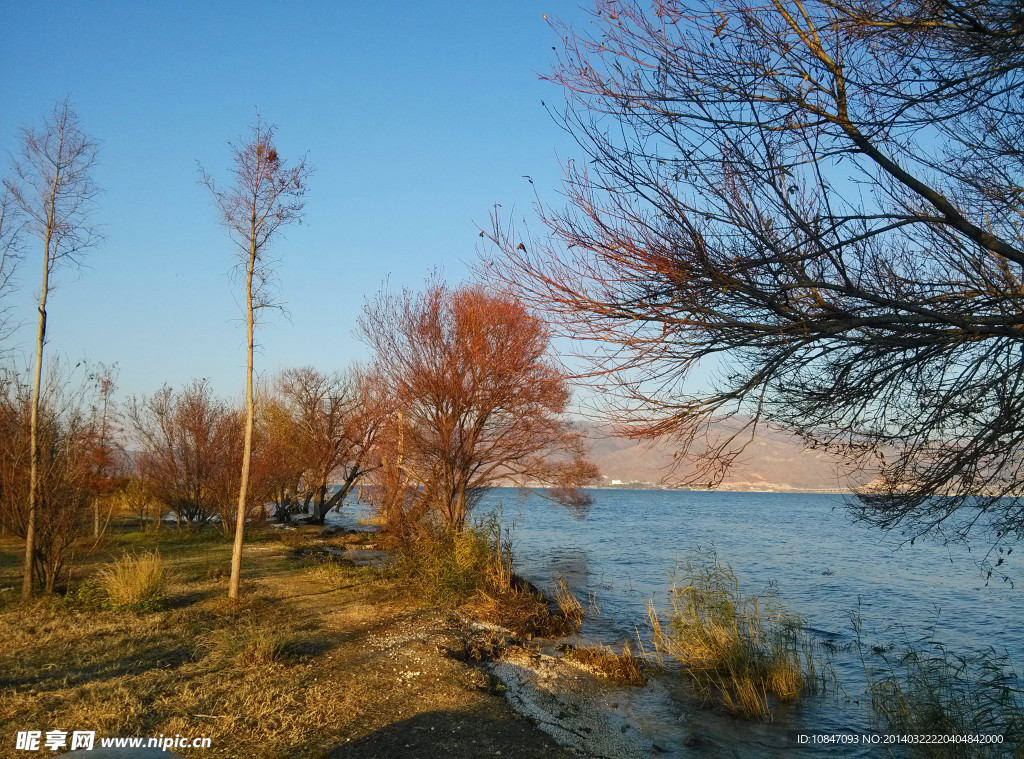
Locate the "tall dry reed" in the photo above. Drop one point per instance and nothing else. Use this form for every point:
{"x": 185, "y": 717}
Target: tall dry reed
{"x": 738, "y": 650}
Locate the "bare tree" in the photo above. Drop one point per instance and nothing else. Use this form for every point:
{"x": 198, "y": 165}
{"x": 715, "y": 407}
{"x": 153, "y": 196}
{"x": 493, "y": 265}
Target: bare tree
{"x": 108, "y": 461}
{"x": 475, "y": 402}
{"x": 335, "y": 422}
{"x": 821, "y": 201}
{"x": 264, "y": 196}
{"x": 11, "y": 228}
{"x": 54, "y": 191}
{"x": 188, "y": 450}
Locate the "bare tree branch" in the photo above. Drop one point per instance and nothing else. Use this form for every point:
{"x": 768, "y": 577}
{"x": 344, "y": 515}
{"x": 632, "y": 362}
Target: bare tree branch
{"x": 822, "y": 200}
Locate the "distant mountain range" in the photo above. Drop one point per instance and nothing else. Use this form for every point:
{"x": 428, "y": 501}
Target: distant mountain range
{"x": 772, "y": 461}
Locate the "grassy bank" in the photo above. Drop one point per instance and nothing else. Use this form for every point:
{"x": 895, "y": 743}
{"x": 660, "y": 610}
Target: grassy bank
{"x": 322, "y": 658}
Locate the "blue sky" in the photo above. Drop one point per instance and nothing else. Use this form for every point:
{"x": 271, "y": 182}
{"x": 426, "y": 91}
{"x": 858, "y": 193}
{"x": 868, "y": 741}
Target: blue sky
{"x": 418, "y": 116}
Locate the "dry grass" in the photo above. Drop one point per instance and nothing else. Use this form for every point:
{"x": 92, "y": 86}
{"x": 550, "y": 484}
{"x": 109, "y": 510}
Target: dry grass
{"x": 304, "y": 666}
{"x": 570, "y": 606}
{"x": 254, "y": 645}
{"x": 741, "y": 651}
{"x": 202, "y": 666}
{"x": 602, "y": 660}
{"x": 330, "y": 573}
{"x": 135, "y": 581}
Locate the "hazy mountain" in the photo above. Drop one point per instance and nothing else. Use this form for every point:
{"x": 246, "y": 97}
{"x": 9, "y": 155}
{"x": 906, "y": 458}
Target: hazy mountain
{"x": 773, "y": 460}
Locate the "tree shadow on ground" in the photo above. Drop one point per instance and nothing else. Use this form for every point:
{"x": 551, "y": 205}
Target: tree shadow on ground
{"x": 453, "y": 735}
{"x": 67, "y": 671}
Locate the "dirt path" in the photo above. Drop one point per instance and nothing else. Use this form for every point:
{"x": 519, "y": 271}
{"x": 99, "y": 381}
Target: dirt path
{"x": 387, "y": 660}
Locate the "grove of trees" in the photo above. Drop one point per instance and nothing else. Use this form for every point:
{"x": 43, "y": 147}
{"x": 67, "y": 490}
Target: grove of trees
{"x": 333, "y": 421}
{"x": 819, "y": 204}
{"x": 460, "y": 396}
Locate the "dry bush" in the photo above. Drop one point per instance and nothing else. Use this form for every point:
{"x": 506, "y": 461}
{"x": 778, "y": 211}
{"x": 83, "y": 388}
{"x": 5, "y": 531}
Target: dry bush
{"x": 602, "y": 660}
{"x": 135, "y": 581}
{"x": 521, "y": 609}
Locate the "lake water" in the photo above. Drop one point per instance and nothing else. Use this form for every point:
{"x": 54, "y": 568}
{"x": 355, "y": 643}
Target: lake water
{"x": 824, "y": 566}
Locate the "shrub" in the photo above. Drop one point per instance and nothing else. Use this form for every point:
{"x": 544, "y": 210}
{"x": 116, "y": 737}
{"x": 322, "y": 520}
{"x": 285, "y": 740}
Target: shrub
{"x": 451, "y": 566}
{"x": 623, "y": 668}
{"x": 736, "y": 649}
{"x": 88, "y": 595}
{"x": 135, "y": 581}
{"x": 472, "y": 568}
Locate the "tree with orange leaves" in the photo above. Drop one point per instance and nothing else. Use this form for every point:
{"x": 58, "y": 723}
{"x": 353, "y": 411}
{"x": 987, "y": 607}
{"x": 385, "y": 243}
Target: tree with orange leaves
{"x": 474, "y": 401}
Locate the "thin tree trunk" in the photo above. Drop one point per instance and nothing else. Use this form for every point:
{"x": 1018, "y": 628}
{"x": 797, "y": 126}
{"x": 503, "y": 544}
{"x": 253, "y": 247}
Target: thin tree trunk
{"x": 103, "y": 450}
{"x": 460, "y": 509}
{"x": 33, "y": 480}
{"x": 236, "y": 553}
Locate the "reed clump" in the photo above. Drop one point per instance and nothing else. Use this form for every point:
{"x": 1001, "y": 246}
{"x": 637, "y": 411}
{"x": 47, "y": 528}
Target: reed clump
{"x": 569, "y": 605}
{"x": 738, "y": 650}
{"x": 928, "y": 690}
{"x": 135, "y": 581}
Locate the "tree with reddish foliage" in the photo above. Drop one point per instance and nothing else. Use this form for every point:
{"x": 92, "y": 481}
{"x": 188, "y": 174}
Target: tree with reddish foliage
{"x": 334, "y": 421}
{"x": 188, "y": 450}
{"x": 473, "y": 401}
{"x": 266, "y": 195}
{"x": 68, "y": 430}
